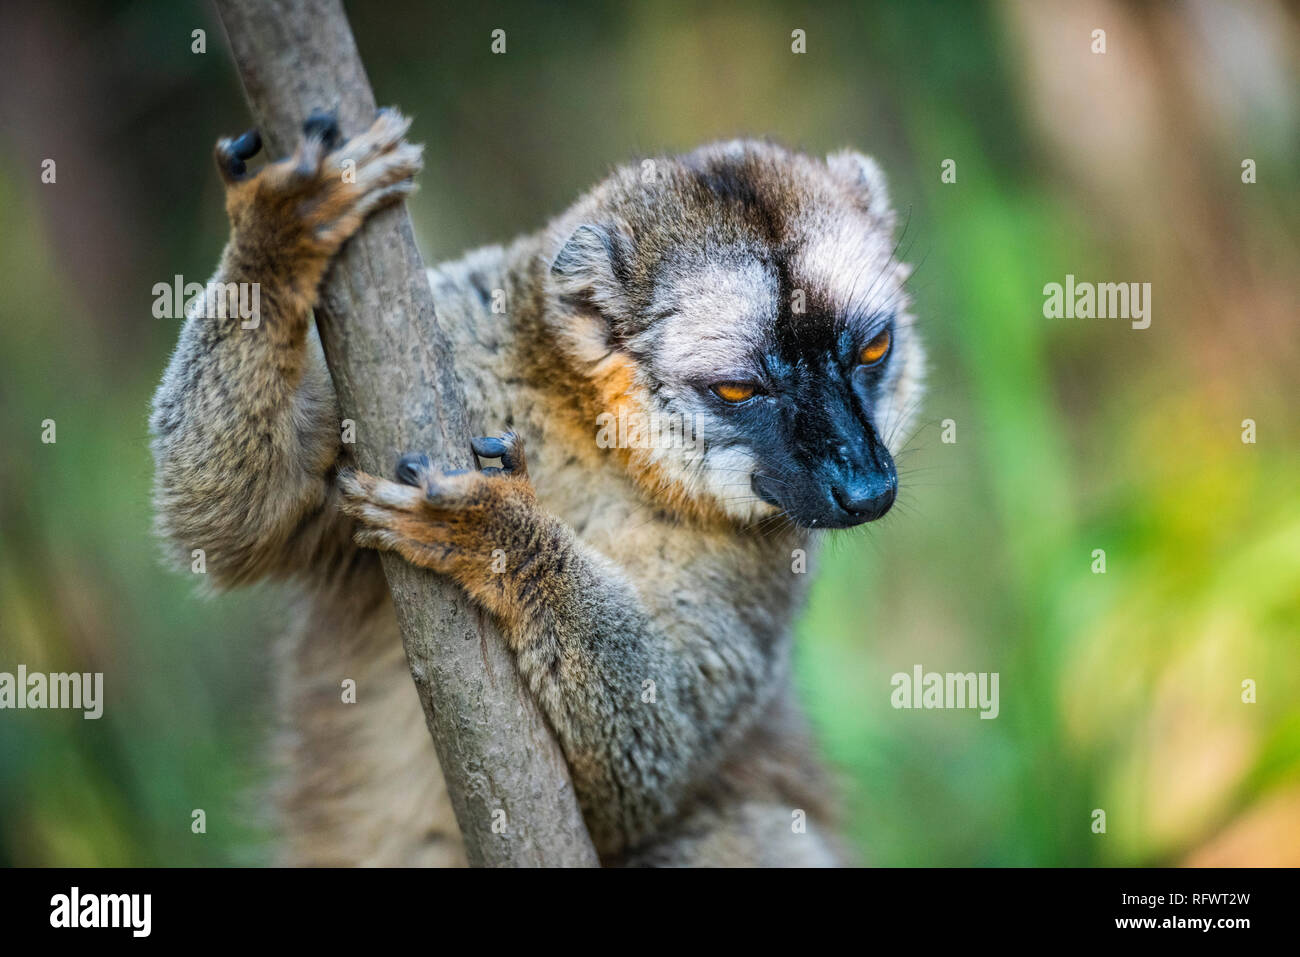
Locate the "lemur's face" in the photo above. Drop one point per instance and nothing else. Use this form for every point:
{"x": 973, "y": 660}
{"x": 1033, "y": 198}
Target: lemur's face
{"x": 753, "y": 296}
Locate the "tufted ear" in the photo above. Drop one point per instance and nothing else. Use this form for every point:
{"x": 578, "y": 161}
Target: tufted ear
{"x": 862, "y": 173}
{"x": 594, "y": 267}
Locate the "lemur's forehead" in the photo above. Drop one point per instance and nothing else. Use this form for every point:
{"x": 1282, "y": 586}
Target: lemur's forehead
{"x": 713, "y": 313}
{"x": 731, "y": 305}
{"x": 780, "y": 257}
{"x": 845, "y": 269}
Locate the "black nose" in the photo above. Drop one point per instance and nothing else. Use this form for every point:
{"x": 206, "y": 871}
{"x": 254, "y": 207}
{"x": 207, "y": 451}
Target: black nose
{"x": 867, "y": 499}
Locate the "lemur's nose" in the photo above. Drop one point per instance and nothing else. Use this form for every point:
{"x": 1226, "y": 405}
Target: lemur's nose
{"x": 868, "y": 497}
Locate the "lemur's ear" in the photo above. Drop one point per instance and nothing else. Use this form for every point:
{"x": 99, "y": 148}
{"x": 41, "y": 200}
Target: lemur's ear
{"x": 864, "y": 174}
{"x": 594, "y": 266}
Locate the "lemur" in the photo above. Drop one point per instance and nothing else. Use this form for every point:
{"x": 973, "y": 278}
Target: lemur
{"x": 745, "y": 289}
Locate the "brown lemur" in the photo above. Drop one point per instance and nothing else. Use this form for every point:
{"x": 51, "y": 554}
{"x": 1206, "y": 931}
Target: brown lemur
{"x": 748, "y": 291}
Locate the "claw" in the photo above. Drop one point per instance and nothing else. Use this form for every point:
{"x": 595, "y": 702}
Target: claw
{"x": 411, "y": 466}
{"x": 247, "y": 145}
{"x": 508, "y": 447}
{"x": 232, "y": 153}
{"x": 323, "y": 125}
{"x": 488, "y": 446}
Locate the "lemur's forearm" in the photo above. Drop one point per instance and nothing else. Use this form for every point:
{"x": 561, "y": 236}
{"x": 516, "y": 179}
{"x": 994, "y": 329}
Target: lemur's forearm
{"x": 641, "y": 712}
{"x": 242, "y": 447}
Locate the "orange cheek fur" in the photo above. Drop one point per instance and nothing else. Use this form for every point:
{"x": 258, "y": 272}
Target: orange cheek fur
{"x": 617, "y": 392}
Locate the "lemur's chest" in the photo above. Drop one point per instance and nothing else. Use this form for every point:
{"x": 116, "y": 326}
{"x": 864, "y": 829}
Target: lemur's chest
{"x": 736, "y": 580}
{"x": 595, "y": 499}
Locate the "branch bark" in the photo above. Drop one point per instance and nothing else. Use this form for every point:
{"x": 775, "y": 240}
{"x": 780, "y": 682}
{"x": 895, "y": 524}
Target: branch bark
{"x": 393, "y": 370}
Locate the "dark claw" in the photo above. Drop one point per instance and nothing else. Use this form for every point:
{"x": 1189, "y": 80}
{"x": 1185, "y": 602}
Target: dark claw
{"x": 324, "y": 125}
{"x": 246, "y": 146}
{"x": 497, "y": 447}
{"x": 488, "y": 446}
{"x": 411, "y": 466}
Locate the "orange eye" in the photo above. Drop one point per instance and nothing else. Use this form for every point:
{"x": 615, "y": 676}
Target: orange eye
{"x": 734, "y": 391}
{"x": 876, "y": 349}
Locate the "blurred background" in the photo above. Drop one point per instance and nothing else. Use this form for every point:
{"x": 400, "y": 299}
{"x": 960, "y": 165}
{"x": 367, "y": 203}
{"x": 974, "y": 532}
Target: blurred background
{"x": 1119, "y": 691}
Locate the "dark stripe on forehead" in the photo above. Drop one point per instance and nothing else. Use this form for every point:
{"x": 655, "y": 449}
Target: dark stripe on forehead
{"x": 738, "y": 184}
{"x": 756, "y": 194}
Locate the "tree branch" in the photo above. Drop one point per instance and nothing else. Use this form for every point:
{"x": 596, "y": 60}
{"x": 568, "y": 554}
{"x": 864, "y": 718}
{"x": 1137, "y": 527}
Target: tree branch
{"x": 393, "y": 370}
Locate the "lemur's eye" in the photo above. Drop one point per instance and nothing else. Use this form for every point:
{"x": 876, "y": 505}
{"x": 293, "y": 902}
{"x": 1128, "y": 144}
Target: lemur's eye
{"x": 734, "y": 391}
{"x": 876, "y": 349}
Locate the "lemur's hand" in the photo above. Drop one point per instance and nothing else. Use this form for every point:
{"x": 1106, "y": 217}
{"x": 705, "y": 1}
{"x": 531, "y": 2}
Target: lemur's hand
{"x": 298, "y": 211}
{"x": 451, "y": 522}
